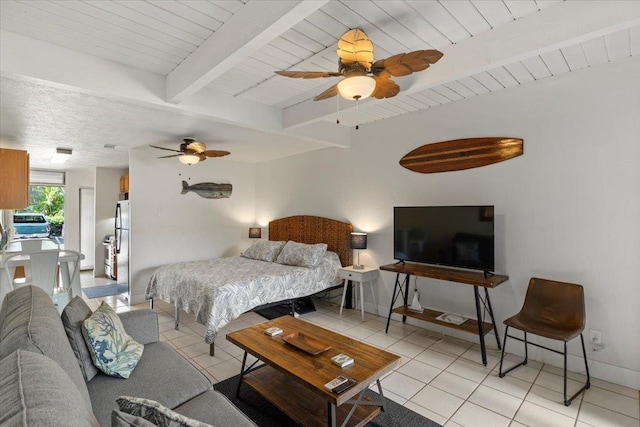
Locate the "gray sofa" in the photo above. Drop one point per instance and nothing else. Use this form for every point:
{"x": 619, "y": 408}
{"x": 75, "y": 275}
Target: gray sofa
{"x": 42, "y": 380}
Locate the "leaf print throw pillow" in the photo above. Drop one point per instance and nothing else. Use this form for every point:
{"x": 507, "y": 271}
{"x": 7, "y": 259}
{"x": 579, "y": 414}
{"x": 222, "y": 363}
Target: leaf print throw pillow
{"x": 112, "y": 350}
{"x": 154, "y": 412}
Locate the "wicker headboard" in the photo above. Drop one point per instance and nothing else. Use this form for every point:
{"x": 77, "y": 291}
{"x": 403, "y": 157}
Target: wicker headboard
{"x": 314, "y": 229}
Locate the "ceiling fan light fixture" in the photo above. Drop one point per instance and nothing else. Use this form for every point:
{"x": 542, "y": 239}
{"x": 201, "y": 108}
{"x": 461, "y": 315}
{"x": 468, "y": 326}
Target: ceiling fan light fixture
{"x": 356, "y": 87}
{"x": 189, "y": 159}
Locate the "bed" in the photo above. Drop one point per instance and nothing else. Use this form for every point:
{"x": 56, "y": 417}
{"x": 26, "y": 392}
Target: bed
{"x": 217, "y": 291}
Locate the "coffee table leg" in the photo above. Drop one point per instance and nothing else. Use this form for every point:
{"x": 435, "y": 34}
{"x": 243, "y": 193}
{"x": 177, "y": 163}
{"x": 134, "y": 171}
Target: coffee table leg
{"x": 331, "y": 412}
{"x": 244, "y": 363}
{"x": 381, "y": 395}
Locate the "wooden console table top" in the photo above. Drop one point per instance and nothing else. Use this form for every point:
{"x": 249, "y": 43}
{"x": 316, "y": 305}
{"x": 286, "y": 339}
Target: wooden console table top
{"x": 449, "y": 274}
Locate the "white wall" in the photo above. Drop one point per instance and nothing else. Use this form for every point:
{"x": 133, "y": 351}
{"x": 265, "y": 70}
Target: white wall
{"x": 106, "y": 196}
{"x": 568, "y": 209}
{"x": 74, "y": 180}
{"x": 167, "y": 226}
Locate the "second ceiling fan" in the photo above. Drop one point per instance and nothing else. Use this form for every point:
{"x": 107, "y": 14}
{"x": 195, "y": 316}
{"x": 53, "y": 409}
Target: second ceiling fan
{"x": 362, "y": 77}
{"x": 192, "y": 152}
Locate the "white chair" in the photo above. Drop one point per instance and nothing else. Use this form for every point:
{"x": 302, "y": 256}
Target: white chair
{"x": 70, "y": 270}
{"x": 28, "y": 245}
{"x": 42, "y": 267}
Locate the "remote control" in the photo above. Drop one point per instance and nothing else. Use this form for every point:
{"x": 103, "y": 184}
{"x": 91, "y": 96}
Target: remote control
{"x": 337, "y": 381}
{"x": 342, "y": 387}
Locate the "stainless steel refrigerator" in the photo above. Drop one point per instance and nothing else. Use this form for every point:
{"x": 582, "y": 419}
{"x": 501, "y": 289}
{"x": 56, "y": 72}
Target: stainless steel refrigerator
{"x": 122, "y": 242}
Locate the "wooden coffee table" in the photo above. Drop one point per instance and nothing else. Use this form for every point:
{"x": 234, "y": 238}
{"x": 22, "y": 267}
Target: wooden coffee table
{"x": 293, "y": 380}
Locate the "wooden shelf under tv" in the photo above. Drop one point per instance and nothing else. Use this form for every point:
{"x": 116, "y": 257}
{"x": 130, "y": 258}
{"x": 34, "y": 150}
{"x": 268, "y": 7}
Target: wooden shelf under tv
{"x": 427, "y": 315}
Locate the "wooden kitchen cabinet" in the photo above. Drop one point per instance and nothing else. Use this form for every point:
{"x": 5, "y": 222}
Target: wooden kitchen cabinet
{"x": 14, "y": 179}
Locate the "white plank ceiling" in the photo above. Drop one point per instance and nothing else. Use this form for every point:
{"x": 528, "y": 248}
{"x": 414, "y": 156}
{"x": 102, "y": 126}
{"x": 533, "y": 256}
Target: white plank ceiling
{"x": 158, "y": 36}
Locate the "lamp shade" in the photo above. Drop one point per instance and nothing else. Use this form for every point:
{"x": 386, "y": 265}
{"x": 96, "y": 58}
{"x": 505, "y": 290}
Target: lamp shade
{"x": 255, "y": 232}
{"x": 189, "y": 159}
{"x": 356, "y": 87}
{"x": 358, "y": 240}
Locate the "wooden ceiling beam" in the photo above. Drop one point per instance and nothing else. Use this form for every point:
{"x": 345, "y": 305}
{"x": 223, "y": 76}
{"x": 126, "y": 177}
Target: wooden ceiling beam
{"x": 252, "y": 27}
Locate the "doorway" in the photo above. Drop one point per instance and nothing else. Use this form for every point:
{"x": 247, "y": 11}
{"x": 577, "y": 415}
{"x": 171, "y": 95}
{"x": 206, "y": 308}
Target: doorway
{"x": 87, "y": 229}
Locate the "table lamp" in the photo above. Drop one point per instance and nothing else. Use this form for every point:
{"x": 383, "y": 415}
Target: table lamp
{"x": 358, "y": 241}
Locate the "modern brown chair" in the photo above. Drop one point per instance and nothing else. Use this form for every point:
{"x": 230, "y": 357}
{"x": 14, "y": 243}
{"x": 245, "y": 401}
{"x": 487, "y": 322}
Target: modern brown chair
{"x": 553, "y": 310}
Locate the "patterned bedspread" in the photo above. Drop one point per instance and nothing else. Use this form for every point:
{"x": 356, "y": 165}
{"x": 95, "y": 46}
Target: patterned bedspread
{"x": 219, "y": 290}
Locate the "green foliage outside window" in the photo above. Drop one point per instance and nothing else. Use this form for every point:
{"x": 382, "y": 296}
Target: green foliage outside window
{"x": 50, "y": 202}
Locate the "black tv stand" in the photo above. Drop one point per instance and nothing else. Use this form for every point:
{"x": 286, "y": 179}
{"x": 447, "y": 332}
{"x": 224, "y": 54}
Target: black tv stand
{"x": 487, "y": 274}
{"x": 448, "y": 275}
{"x": 399, "y": 262}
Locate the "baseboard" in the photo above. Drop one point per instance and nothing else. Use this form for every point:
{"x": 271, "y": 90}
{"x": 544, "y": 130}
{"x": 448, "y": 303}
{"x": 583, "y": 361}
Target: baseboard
{"x": 575, "y": 363}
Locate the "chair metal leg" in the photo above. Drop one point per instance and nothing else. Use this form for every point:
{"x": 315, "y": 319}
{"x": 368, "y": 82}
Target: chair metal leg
{"x": 586, "y": 364}
{"x": 504, "y": 345}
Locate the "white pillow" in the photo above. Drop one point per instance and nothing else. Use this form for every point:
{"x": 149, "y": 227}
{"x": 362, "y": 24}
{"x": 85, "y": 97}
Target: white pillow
{"x": 301, "y": 254}
{"x": 264, "y": 250}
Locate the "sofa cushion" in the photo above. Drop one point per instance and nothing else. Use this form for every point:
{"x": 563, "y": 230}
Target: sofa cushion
{"x": 35, "y": 391}
{"x": 122, "y": 419}
{"x": 29, "y": 321}
{"x": 72, "y": 317}
{"x": 161, "y": 375}
{"x": 214, "y": 408}
{"x": 112, "y": 350}
{"x": 156, "y": 413}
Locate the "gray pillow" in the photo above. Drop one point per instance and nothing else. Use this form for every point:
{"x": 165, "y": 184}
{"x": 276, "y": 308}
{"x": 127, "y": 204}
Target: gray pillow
{"x": 264, "y": 250}
{"x": 72, "y": 317}
{"x": 36, "y": 391}
{"x": 301, "y": 254}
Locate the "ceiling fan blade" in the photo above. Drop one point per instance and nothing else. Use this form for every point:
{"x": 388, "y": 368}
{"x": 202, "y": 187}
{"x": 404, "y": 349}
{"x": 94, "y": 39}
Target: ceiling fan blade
{"x": 404, "y": 64}
{"x": 171, "y": 155}
{"x": 168, "y": 149}
{"x": 385, "y": 88}
{"x": 355, "y": 46}
{"x": 214, "y": 153}
{"x": 332, "y": 91}
{"x": 308, "y": 74}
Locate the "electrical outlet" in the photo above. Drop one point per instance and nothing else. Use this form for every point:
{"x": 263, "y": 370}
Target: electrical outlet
{"x": 595, "y": 336}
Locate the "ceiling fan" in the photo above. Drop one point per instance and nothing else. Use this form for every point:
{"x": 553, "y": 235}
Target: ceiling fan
{"x": 192, "y": 152}
{"x": 362, "y": 76}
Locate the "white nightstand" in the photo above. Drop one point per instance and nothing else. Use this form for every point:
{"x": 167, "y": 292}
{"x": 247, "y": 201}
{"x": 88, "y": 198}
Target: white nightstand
{"x": 366, "y": 274}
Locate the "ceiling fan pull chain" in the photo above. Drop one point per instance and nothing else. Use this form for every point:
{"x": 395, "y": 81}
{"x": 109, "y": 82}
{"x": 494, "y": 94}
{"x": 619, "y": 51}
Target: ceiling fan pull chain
{"x": 358, "y": 112}
{"x": 337, "y": 110}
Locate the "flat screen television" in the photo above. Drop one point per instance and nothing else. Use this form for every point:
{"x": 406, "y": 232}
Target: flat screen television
{"x": 454, "y": 236}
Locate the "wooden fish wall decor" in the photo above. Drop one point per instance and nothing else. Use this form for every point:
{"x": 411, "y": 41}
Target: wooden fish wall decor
{"x": 208, "y": 190}
{"x": 462, "y": 154}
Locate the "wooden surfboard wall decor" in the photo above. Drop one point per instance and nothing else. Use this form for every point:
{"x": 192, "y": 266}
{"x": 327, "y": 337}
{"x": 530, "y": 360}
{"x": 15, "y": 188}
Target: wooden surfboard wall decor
{"x": 459, "y": 154}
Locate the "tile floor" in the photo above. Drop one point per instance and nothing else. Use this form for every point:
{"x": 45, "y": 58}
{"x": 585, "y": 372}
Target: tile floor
{"x": 440, "y": 377}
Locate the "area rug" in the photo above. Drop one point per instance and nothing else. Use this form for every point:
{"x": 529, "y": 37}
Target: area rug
{"x": 105, "y": 290}
{"x": 303, "y": 305}
{"x": 264, "y": 414}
